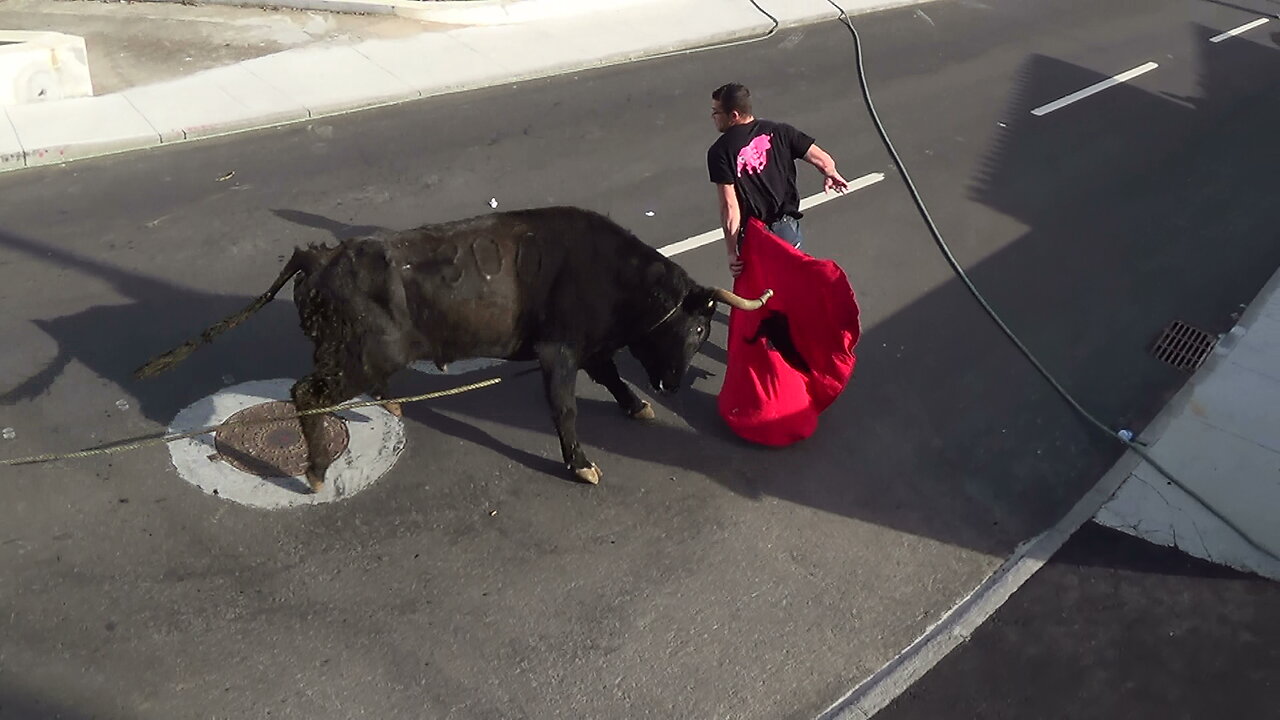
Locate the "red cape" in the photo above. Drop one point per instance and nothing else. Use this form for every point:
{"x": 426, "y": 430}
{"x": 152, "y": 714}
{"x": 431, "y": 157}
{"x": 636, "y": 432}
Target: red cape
{"x": 789, "y": 360}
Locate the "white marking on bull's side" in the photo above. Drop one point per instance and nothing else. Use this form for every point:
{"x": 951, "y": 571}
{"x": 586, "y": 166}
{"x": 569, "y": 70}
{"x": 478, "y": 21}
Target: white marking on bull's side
{"x": 376, "y": 440}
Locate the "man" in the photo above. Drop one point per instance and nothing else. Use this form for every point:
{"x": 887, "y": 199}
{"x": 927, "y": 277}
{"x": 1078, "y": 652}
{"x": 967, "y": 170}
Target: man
{"x": 753, "y": 167}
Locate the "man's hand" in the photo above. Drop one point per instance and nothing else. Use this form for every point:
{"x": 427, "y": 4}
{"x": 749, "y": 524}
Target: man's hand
{"x": 735, "y": 264}
{"x": 833, "y": 181}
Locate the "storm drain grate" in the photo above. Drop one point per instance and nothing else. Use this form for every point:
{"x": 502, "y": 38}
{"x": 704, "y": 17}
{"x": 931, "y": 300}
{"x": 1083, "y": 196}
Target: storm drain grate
{"x": 276, "y": 448}
{"x": 1183, "y": 346}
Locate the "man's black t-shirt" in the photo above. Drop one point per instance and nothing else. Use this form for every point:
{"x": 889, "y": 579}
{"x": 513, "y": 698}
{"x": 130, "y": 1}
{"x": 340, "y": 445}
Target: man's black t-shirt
{"x": 758, "y": 159}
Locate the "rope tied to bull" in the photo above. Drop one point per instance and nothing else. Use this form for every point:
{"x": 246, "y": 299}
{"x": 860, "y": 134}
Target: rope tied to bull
{"x": 165, "y": 438}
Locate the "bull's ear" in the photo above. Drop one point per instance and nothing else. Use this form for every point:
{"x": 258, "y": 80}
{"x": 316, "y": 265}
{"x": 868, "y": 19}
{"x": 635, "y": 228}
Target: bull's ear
{"x": 700, "y": 300}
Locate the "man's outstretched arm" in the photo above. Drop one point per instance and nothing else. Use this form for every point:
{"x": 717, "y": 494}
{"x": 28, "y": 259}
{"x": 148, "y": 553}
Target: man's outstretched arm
{"x": 826, "y": 165}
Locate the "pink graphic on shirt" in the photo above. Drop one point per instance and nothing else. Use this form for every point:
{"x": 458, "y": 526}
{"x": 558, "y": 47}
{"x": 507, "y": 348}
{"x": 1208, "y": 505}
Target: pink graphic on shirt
{"x": 755, "y": 155}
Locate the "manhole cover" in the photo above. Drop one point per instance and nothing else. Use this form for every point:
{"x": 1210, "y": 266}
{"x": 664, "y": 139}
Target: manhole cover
{"x": 372, "y": 437}
{"x": 1183, "y": 346}
{"x": 275, "y": 448}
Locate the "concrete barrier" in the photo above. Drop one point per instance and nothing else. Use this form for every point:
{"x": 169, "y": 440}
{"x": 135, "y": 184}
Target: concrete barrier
{"x": 42, "y": 66}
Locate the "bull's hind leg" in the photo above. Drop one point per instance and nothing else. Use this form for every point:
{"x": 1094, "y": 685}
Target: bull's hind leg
{"x": 605, "y": 372}
{"x": 318, "y": 390}
{"x": 559, "y": 375}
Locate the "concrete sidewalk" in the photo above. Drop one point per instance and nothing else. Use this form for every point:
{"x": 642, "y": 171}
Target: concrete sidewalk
{"x": 143, "y": 43}
{"x": 338, "y": 64}
{"x": 1220, "y": 436}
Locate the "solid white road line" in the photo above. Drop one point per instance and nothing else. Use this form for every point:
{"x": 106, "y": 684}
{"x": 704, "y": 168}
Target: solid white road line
{"x": 1096, "y": 87}
{"x": 1243, "y": 28}
{"x": 696, "y": 241}
{"x": 858, "y": 184}
{"x": 711, "y": 236}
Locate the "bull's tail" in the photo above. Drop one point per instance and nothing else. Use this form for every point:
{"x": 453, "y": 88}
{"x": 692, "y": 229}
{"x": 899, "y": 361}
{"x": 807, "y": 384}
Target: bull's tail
{"x": 300, "y": 261}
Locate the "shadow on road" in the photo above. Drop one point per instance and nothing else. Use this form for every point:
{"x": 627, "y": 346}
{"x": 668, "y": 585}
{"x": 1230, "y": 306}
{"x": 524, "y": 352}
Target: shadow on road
{"x": 939, "y": 398}
{"x": 21, "y": 703}
{"x": 942, "y": 398}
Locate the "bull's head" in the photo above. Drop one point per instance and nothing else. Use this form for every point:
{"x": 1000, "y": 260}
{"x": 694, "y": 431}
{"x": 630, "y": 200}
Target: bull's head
{"x": 667, "y": 350}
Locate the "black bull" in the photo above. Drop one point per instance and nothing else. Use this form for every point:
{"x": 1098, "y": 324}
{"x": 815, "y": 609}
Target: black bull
{"x": 564, "y": 286}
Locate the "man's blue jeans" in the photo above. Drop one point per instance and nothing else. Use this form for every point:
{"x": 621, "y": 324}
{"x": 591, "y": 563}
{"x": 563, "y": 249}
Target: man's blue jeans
{"x": 788, "y": 228}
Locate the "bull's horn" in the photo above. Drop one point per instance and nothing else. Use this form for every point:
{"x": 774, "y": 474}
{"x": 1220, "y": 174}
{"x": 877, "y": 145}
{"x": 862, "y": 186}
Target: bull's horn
{"x": 741, "y": 303}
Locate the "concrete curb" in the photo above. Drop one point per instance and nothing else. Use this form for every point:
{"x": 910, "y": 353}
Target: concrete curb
{"x": 330, "y": 79}
{"x": 446, "y": 12}
{"x": 63, "y": 130}
{"x": 12, "y": 156}
{"x": 503, "y": 12}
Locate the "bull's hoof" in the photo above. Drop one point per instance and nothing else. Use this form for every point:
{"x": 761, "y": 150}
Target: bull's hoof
{"x": 394, "y": 408}
{"x": 315, "y": 483}
{"x": 645, "y": 412}
{"x": 588, "y": 474}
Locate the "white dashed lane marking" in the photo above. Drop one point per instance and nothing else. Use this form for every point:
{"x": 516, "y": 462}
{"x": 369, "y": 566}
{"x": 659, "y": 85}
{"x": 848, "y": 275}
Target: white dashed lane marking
{"x": 1094, "y": 88}
{"x": 711, "y": 236}
{"x": 1242, "y": 29}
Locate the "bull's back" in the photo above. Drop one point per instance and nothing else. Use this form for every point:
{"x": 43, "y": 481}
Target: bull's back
{"x": 488, "y": 286}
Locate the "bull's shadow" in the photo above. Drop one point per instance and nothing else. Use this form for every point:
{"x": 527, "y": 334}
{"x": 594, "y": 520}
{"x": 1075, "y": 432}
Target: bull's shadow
{"x": 153, "y": 315}
{"x": 115, "y": 339}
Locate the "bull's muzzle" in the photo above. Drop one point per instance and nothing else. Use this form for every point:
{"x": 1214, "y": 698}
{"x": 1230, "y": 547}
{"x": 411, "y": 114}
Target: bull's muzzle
{"x": 739, "y": 302}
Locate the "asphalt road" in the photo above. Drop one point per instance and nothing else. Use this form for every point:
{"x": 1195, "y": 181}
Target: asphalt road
{"x": 704, "y": 577}
{"x": 1114, "y": 627}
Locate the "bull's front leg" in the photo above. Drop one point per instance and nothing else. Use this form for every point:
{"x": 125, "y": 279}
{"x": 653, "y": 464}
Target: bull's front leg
{"x": 559, "y": 377}
{"x": 317, "y": 390}
{"x": 605, "y": 372}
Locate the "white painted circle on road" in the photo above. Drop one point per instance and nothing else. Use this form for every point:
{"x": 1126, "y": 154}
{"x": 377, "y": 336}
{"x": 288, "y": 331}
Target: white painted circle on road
{"x": 376, "y": 440}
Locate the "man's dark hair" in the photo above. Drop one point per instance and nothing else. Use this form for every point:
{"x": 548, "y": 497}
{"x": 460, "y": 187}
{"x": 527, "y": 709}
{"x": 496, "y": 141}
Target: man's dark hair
{"x": 733, "y": 97}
